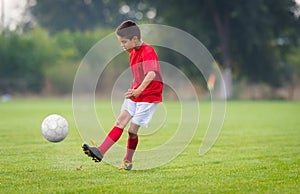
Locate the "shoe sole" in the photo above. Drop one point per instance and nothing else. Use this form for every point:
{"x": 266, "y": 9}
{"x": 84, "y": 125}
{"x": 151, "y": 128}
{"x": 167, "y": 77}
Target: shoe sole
{"x": 92, "y": 152}
{"x": 125, "y": 169}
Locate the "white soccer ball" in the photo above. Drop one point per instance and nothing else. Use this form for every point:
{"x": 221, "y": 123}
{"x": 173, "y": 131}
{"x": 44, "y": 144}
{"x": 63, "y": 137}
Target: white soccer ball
{"x": 55, "y": 128}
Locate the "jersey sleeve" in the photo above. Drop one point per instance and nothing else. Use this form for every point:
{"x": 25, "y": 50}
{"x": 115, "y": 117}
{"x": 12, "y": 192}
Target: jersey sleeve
{"x": 150, "y": 61}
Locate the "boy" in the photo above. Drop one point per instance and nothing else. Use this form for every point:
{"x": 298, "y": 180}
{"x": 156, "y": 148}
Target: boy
{"x": 141, "y": 99}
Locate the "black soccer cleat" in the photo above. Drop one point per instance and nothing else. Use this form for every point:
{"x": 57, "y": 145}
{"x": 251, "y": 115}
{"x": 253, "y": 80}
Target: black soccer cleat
{"x": 92, "y": 152}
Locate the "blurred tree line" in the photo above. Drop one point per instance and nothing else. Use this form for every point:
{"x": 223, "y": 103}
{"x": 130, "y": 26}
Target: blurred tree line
{"x": 35, "y": 61}
{"x": 256, "y": 41}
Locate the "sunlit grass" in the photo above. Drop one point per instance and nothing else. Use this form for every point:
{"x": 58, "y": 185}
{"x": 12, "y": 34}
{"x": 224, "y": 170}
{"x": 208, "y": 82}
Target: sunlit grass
{"x": 258, "y": 151}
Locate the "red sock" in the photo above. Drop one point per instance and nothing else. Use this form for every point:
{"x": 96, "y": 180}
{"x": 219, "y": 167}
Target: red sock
{"x": 131, "y": 147}
{"x": 112, "y": 137}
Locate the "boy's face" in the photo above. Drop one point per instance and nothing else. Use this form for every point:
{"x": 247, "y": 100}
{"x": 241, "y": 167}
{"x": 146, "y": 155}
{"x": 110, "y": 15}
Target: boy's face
{"x": 128, "y": 44}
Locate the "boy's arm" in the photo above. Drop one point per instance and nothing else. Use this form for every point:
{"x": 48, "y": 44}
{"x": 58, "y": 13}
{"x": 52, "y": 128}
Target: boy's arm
{"x": 136, "y": 92}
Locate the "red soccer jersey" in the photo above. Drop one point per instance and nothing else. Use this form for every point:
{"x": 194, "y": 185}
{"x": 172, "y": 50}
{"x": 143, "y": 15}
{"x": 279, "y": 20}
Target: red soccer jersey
{"x": 142, "y": 61}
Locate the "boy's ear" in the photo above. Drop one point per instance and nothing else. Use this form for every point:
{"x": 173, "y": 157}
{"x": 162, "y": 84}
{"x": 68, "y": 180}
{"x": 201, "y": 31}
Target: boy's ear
{"x": 135, "y": 38}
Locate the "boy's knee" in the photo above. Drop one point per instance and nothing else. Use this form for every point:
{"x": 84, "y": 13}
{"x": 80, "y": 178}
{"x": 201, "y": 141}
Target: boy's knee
{"x": 120, "y": 124}
{"x": 132, "y": 135}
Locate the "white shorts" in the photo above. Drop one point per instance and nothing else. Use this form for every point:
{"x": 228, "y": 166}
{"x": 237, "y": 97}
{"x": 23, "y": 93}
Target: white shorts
{"x": 141, "y": 112}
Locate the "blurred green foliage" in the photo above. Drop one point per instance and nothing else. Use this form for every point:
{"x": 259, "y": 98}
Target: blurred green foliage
{"x": 23, "y": 58}
{"x": 258, "y": 40}
{"x": 33, "y": 61}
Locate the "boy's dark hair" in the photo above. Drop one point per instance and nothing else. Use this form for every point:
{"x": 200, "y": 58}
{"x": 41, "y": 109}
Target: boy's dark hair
{"x": 128, "y": 29}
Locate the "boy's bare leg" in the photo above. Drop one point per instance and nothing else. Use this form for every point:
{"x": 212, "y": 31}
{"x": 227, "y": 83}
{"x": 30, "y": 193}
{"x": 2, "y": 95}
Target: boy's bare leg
{"x": 113, "y": 136}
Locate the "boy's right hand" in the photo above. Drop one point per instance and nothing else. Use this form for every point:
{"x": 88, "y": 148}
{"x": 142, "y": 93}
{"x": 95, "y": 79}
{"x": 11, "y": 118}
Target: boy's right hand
{"x": 128, "y": 94}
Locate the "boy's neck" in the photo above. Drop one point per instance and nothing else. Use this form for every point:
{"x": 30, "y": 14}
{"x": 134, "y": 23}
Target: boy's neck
{"x": 140, "y": 43}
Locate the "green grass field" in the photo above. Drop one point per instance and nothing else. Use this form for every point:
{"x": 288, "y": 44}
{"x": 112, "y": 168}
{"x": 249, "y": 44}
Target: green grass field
{"x": 258, "y": 151}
